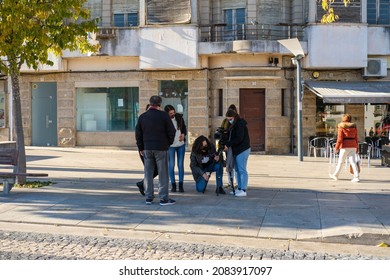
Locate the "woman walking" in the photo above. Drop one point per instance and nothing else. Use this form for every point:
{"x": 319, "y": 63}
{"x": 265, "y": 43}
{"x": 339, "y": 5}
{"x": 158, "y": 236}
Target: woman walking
{"x": 347, "y": 145}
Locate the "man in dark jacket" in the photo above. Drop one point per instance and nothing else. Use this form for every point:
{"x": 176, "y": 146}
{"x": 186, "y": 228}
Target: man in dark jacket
{"x": 154, "y": 134}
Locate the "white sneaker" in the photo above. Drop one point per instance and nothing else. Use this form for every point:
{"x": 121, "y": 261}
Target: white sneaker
{"x": 240, "y": 193}
{"x": 355, "y": 180}
{"x": 334, "y": 177}
{"x": 235, "y": 191}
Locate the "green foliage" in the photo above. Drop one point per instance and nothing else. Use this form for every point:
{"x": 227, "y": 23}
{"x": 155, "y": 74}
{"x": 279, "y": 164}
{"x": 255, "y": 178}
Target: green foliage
{"x": 30, "y": 29}
{"x": 329, "y": 15}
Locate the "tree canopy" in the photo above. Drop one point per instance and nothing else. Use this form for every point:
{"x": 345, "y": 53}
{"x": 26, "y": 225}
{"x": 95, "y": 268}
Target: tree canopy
{"x": 29, "y": 31}
{"x": 329, "y": 15}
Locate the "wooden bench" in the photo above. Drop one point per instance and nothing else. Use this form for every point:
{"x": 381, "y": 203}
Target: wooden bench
{"x": 9, "y": 156}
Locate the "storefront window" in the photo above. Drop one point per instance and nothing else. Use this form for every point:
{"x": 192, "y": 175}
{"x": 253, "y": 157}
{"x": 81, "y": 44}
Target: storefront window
{"x": 107, "y": 109}
{"x": 2, "y": 109}
{"x": 376, "y": 120}
{"x": 175, "y": 93}
{"x": 327, "y": 118}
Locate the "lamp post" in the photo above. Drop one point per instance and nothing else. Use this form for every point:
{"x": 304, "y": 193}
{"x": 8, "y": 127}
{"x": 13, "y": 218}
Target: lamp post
{"x": 295, "y": 47}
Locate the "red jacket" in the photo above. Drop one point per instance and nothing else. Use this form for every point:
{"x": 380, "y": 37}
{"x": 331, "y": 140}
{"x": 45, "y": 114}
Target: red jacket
{"x": 347, "y": 136}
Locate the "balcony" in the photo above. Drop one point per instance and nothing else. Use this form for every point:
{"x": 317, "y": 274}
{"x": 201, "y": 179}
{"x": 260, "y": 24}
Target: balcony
{"x": 221, "y": 32}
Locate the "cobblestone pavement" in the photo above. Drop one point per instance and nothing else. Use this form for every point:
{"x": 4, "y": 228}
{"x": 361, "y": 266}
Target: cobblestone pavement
{"x": 44, "y": 246}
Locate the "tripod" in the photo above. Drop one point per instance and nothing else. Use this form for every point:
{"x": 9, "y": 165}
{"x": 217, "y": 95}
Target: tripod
{"x": 230, "y": 168}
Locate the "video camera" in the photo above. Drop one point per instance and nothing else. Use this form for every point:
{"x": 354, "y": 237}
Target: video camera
{"x": 222, "y": 136}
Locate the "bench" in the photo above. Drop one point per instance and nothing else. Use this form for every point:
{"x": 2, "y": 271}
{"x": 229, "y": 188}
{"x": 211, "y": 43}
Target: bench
{"x": 9, "y": 156}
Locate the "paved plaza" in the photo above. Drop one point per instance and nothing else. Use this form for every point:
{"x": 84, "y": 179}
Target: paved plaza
{"x": 293, "y": 210}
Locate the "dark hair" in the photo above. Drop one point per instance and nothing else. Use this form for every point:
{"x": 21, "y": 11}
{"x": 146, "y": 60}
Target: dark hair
{"x": 147, "y": 107}
{"x": 155, "y": 100}
{"x": 168, "y": 108}
{"x": 232, "y": 107}
{"x": 231, "y": 113}
{"x": 198, "y": 143}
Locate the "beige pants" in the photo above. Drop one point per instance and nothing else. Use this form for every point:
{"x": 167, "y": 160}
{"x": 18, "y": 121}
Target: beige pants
{"x": 351, "y": 154}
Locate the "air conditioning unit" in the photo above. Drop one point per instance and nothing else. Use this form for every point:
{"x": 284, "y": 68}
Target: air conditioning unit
{"x": 376, "y": 67}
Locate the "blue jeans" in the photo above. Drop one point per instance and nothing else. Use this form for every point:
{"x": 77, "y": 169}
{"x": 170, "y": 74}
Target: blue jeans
{"x": 180, "y": 151}
{"x": 218, "y": 169}
{"x": 240, "y": 162}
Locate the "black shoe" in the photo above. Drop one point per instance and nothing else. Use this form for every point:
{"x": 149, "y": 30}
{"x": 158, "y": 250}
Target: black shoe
{"x": 167, "y": 202}
{"x": 173, "y": 187}
{"x": 141, "y": 188}
{"x": 220, "y": 190}
{"x": 181, "y": 189}
{"x": 149, "y": 201}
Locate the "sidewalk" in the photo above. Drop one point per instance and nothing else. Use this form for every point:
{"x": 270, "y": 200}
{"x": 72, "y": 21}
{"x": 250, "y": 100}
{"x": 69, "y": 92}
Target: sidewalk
{"x": 290, "y": 205}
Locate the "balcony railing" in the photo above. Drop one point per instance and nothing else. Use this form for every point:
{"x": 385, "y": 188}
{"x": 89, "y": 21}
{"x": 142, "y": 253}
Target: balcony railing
{"x": 222, "y": 32}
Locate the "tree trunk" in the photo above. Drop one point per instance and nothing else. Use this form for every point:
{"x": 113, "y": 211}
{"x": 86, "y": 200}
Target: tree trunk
{"x": 18, "y": 127}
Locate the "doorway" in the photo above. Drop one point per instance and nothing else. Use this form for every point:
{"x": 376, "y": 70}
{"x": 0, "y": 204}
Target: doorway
{"x": 44, "y": 114}
{"x": 252, "y": 109}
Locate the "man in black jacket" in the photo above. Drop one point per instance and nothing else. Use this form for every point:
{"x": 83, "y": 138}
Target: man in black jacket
{"x": 154, "y": 134}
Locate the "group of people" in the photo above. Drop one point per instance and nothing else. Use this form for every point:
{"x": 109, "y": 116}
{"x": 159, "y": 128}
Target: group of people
{"x": 161, "y": 137}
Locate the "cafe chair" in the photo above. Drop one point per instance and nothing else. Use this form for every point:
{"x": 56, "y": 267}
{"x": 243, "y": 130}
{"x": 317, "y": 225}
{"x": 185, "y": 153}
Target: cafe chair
{"x": 318, "y": 144}
{"x": 364, "y": 152}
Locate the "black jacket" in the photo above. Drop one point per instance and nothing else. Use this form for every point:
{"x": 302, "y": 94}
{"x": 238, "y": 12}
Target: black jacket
{"x": 154, "y": 131}
{"x": 196, "y": 161}
{"x": 238, "y": 137}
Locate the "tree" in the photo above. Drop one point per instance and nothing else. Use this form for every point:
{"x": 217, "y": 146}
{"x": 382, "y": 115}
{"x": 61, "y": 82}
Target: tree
{"x": 29, "y": 31}
{"x": 329, "y": 16}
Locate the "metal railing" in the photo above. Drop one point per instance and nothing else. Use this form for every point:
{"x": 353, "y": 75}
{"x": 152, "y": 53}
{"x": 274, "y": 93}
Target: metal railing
{"x": 221, "y": 32}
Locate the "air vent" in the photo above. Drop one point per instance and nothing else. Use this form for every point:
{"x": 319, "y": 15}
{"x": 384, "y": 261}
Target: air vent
{"x": 376, "y": 67}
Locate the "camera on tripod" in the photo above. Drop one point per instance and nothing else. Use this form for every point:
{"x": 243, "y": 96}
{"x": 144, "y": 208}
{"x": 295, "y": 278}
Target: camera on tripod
{"x": 222, "y": 136}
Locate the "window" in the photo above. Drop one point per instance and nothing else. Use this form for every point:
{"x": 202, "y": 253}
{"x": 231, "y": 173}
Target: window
{"x": 95, "y": 7}
{"x": 235, "y": 24}
{"x": 378, "y": 11}
{"x": 220, "y": 102}
{"x": 168, "y": 11}
{"x": 283, "y": 103}
{"x": 175, "y": 93}
{"x": 2, "y": 109}
{"x": 125, "y": 19}
{"x": 327, "y": 118}
{"x": 107, "y": 109}
{"x": 352, "y": 13}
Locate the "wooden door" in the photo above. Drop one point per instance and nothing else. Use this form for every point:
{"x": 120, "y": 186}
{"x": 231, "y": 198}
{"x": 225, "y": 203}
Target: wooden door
{"x": 252, "y": 109}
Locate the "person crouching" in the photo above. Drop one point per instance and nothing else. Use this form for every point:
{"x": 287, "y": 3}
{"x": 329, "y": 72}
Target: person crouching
{"x": 203, "y": 161}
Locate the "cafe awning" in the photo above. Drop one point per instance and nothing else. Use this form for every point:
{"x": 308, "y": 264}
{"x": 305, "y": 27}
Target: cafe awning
{"x": 350, "y": 92}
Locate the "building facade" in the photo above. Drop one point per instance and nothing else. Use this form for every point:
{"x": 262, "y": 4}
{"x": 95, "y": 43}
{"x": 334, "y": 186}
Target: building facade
{"x": 203, "y": 55}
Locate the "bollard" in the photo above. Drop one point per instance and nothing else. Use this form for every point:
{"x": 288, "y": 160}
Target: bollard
{"x": 6, "y": 186}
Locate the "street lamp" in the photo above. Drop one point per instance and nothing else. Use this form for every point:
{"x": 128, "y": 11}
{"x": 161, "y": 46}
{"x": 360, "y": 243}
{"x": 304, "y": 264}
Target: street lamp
{"x": 295, "y": 47}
